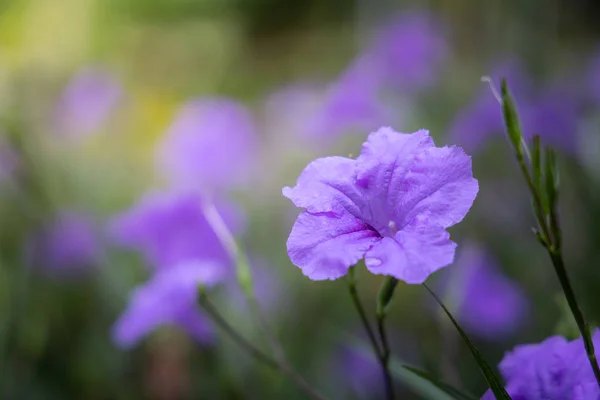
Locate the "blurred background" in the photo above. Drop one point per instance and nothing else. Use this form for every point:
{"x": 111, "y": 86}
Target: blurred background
{"x": 117, "y": 115}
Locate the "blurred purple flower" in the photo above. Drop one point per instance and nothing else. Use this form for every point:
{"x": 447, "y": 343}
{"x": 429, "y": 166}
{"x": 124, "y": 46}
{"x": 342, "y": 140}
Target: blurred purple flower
{"x": 87, "y": 102}
{"x": 475, "y": 124}
{"x": 169, "y": 298}
{"x": 406, "y": 54}
{"x": 359, "y": 371}
{"x": 391, "y": 205}
{"x": 173, "y": 234}
{"x": 210, "y": 145}
{"x": 552, "y": 114}
{"x": 554, "y": 369}
{"x": 68, "y": 246}
{"x": 353, "y": 103}
{"x": 291, "y": 109}
{"x": 490, "y": 305}
{"x": 170, "y": 229}
{"x": 482, "y": 119}
{"x": 410, "y": 50}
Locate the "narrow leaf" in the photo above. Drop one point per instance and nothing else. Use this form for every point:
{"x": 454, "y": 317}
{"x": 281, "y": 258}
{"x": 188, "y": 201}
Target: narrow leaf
{"x": 488, "y": 373}
{"x": 536, "y": 167}
{"x": 511, "y": 118}
{"x": 446, "y": 387}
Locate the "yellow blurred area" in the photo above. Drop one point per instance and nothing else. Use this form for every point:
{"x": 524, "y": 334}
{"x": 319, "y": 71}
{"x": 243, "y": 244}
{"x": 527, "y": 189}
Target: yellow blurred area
{"x": 158, "y": 66}
{"x": 50, "y": 34}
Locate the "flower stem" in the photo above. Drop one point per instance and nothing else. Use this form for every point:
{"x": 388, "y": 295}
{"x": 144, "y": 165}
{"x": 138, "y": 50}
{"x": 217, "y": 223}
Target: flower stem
{"x": 386, "y": 293}
{"x": 544, "y": 205}
{"x": 258, "y": 354}
{"x": 387, "y": 379}
{"x": 584, "y": 329}
{"x": 385, "y": 356}
{"x": 245, "y": 280}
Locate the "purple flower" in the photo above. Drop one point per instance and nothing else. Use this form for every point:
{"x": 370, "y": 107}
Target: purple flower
{"x": 391, "y": 205}
{"x": 409, "y": 50}
{"x": 168, "y": 298}
{"x": 405, "y": 53}
{"x": 353, "y": 103}
{"x": 554, "y": 369}
{"x": 554, "y": 115}
{"x": 170, "y": 229}
{"x": 359, "y": 371}
{"x": 87, "y": 102}
{"x": 68, "y": 245}
{"x": 490, "y": 305}
{"x": 479, "y": 121}
{"x": 290, "y": 110}
{"x": 210, "y": 145}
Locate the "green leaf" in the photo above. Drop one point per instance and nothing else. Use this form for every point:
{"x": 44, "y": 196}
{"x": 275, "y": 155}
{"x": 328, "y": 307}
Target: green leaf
{"x": 488, "y": 373}
{"x": 446, "y": 387}
{"x": 511, "y": 119}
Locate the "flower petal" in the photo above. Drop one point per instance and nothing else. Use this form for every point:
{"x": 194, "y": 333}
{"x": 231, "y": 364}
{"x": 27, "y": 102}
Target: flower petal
{"x": 327, "y": 185}
{"x": 413, "y": 254}
{"x": 211, "y": 144}
{"x": 169, "y": 228}
{"x": 324, "y": 246}
{"x": 389, "y": 146}
{"x": 169, "y": 298}
{"x": 440, "y": 186}
{"x": 385, "y": 159}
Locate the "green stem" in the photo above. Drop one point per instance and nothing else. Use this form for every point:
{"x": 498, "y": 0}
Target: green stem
{"x": 386, "y": 293}
{"x": 537, "y": 201}
{"x": 561, "y": 272}
{"x": 255, "y": 352}
{"x": 363, "y": 315}
{"x": 385, "y": 356}
{"x": 387, "y": 379}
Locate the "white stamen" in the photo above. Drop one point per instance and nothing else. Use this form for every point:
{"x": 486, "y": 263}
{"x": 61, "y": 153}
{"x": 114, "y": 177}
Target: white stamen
{"x": 392, "y": 226}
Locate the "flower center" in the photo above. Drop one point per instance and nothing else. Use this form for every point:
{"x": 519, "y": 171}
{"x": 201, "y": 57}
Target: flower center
{"x": 393, "y": 228}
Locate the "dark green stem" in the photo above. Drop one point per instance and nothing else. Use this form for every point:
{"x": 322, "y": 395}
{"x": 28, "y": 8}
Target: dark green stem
{"x": 387, "y": 378}
{"x": 363, "y": 315}
{"x": 386, "y": 293}
{"x": 537, "y": 201}
{"x": 385, "y": 356}
{"x": 584, "y": 329}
